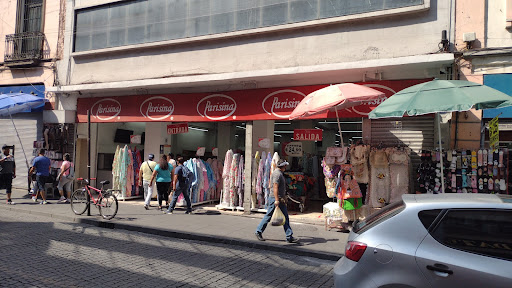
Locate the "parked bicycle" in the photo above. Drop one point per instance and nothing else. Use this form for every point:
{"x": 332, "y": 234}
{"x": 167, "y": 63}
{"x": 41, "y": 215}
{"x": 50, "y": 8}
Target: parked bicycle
{"x": 106, "y": 202}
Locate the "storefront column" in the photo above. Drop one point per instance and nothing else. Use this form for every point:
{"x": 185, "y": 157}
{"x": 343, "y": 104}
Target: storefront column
{"x": 153, "y": 138}
{"x": 248, "y": 168}
{"x": 263, "y": 129}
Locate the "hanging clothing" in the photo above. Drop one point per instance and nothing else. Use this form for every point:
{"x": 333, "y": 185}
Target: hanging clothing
{"x": 226, "y": 173}
{"x": 241, "y": 182}
{"x": 379, "y": 194}
{"x": 359, "y": 159}
{"x": 266, "y": 178}
{"x": 259, "y": 181}
{"x": 399, "y": 172}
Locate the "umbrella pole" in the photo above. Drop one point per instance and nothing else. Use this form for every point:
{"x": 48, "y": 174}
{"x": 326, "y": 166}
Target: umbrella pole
{"x": 440, "y": 150}
{"x": 339, "y": 126}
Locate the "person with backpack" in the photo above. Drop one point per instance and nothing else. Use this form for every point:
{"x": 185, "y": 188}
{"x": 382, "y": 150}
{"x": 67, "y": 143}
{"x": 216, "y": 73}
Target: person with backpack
{"x": 66, "y": 177}
{"x": 163, "y": 175}
{"x": 146, "y": 171}
{"x": 181, "y": 184}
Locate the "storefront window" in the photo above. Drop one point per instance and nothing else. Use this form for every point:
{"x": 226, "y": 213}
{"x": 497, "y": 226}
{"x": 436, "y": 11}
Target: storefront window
{"x": 143, "y": 21}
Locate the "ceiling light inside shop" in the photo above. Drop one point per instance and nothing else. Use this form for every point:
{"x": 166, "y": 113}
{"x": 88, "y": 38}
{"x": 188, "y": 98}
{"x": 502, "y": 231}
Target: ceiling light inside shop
{"x": 240, "y": 127}
{"x": 282, "y": 123}
{"x": 319, "y": 128}
{"x": 277, "y": 135}
{"x": 329, "y": 122}
{"x": 198, "y": 129}
{"x": 284, "y": 132}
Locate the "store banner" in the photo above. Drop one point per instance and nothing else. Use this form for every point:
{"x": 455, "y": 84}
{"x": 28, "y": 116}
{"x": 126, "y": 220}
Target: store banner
{"x": 135, "y": 139}
{"x": 200, "y": 151}
{"x": 293, "y": 149}
{"x": 307, "y": 135}
{"x": 177, "y": 128}
{"x": 494, "y": 134}
{"x": 243, "y": 105}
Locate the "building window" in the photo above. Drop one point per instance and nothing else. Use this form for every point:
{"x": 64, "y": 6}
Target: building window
{"x": 143, "y": 21}
{"x": 29, "y": 16}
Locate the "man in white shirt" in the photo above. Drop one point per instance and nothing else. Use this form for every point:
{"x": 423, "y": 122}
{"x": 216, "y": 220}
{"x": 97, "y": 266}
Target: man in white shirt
{"x": 146, "y": 171}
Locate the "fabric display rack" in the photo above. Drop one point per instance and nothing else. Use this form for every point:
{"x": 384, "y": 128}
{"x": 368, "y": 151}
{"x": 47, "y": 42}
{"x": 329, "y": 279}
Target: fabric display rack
{"x": 58, "y": 139}
{"x": 384, "y": 171}
{"x": 125, "y": 173}
{"x": 466, "y": 171}
{"x": 233, "y": 182}
{"x": 207, "y": 184}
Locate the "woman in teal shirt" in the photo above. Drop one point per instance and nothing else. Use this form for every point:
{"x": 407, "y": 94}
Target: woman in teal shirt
{"x": 163, "y": 174}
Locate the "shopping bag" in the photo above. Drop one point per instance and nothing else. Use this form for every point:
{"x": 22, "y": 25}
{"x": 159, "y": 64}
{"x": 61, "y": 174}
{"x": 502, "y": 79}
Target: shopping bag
{"x": 277, "y": 218}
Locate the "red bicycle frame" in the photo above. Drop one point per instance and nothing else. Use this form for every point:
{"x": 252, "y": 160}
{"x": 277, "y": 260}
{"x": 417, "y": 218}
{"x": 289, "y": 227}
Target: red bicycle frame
{"x": 88, "y": 187}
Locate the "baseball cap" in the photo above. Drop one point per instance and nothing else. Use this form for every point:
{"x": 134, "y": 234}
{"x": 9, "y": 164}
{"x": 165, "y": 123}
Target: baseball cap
{"x": 282, "y": 163}
{"x": 151, "y": 156}
{"x": 5, "y": 146}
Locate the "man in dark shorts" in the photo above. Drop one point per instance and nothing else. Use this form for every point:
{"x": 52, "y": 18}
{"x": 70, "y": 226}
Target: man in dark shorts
{"x": 8, "y": 171}
{"x": 42, "y": 167}
{"x": 277, "y": 198}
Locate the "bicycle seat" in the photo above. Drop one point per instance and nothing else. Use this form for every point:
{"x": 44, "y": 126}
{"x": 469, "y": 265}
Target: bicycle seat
{"x": 105, "y": 182}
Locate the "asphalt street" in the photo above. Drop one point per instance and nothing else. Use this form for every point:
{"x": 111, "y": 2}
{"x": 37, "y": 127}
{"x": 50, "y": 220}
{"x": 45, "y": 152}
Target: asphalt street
{"x": 36, "y": 251}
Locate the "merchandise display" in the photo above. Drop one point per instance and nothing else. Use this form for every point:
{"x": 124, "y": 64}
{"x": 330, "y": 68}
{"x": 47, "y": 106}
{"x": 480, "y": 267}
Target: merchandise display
{"x": 466, "y": 171}
{"x": 125, "y": 174}
{"x": 207, "y": 182}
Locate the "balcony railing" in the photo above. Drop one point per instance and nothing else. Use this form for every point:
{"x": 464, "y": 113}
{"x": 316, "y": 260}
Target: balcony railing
{"x": 24, "y": 49}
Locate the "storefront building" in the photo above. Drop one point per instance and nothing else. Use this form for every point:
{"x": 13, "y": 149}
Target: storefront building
{"x": 233, "y": 72}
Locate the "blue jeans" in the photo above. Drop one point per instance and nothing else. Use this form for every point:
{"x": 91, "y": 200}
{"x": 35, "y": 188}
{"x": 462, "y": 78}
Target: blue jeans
{"x": 175, "y": 199}
{"x": 270, "y": 210}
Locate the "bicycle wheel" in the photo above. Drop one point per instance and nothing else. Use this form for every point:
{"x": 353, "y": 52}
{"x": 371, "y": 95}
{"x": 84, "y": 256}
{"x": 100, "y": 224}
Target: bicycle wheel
{"x": 79, "y": 201}
{"x": 108, "y": 206}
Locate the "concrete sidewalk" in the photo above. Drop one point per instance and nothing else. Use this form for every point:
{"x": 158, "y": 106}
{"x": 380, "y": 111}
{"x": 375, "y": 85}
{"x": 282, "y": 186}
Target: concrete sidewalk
{"x": 206, "y": 224}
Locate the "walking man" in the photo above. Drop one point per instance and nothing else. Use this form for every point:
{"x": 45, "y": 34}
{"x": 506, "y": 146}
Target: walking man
{"x": 277, "y": 199}
{"x": 8, "y": 171}
{"x": 146, "y": 171}
{"x": 180, "y": 185}
{"x": 42, "y": 167}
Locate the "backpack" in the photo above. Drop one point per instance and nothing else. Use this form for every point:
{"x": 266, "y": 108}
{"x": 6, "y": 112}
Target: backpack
{"x": 188, "y": 176}
{"x": 71, "y": 174}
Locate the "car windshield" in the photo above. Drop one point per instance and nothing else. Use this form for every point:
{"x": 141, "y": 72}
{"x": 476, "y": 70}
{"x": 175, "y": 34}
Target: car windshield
{"x": 376, "y": 218}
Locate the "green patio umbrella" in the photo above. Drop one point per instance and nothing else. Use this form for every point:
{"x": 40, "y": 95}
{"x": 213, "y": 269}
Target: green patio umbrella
{"x": 440, "y": 96}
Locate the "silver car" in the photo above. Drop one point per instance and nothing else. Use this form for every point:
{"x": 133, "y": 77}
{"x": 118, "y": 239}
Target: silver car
{"x": 434, "y": 241}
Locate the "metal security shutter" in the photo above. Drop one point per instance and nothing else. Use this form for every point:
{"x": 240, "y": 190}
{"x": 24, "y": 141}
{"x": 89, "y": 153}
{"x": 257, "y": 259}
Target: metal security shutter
{"x": 29, "y": 127}
{"x": 416, "y": 133}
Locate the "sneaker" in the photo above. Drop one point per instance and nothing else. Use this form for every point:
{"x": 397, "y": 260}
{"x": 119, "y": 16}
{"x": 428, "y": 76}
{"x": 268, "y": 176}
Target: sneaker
{"x": 9, "y": 202}
{"x": 62, "y": 199}
{"x": 292, "y": 240}
{"x": 34, "y": 198}
{"x": 146, "y": 207}
{"x": 188, "y": 212}
{"x": 167, "y": 212}
{"x": 43, "y": 202}
{"x": 259, "y": 236}
{"x": 68, "y": 200}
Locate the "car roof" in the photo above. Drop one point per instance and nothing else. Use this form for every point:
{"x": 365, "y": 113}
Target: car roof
{"x": 456, "y": 198}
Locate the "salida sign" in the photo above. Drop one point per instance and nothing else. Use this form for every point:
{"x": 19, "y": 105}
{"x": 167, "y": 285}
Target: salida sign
{"x": 307, "y": 135}
{"x": 245, "y": 105}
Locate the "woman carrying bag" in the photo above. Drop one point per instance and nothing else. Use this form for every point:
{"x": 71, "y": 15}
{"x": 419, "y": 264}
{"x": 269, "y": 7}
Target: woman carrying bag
{"x": 65, "y": 178}
{"x": 163, "y": 174}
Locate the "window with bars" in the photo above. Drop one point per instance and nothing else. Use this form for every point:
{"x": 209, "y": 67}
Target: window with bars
{"x": 30, "y": 15}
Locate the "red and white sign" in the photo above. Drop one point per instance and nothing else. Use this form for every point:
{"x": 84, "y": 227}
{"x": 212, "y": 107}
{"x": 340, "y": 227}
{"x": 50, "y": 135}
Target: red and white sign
{"x": 307, "y": 135}
{"x": 293, "y": 149}
{"x": 200, "y": 151}
{"x": 157, "y": 108}
{"x": 135, "y": 139}
{"x": 244, "y": 105}
{"x": 177, "y": 128}
{"x": 264, "y": 143}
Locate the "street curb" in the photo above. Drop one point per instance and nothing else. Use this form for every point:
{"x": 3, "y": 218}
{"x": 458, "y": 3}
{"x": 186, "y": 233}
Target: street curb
{"x": 187, "y": 236}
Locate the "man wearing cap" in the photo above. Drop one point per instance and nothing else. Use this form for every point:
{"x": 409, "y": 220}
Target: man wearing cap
{"x": 8, "y": 171}
{"x": 171, "y": 160}
{"x": 146, "y": 171}
{"x": 277, "y": 199}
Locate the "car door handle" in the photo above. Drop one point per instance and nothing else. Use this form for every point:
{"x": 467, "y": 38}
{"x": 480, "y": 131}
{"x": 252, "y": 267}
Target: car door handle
{"x": 440, "y": 268}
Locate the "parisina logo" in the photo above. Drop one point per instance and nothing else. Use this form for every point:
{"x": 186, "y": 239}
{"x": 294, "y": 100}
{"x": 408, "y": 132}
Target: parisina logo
{"x": 106, "y": 109}
{"x": 157, "y": 108}
{"x": 216, "y": 107}
{"x": 281, "y": 103}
